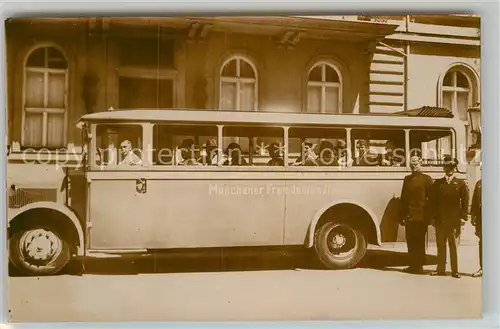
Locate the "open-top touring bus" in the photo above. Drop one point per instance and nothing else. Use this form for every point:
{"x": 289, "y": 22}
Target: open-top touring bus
{"x": 153, "y": 179}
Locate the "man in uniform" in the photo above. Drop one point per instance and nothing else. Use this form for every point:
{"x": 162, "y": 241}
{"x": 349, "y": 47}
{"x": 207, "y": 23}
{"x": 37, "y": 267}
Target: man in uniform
{"x": 129, "y": 157}
{"x": 476, "y": 214}
{"x": 449, "y": 200}
{"x": 414, "y": 214}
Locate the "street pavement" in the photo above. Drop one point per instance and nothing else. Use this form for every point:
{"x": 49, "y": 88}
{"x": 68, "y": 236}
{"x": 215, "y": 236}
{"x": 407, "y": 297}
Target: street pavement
{"x": 245, "y": 288}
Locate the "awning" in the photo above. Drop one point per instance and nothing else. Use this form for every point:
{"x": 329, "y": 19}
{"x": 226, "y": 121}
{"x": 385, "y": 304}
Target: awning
{"x": 427, "y": 111}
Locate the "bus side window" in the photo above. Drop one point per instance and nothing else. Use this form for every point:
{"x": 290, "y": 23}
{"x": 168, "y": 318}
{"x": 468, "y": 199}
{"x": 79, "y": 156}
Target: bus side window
{"x": 183, "y": 145}
{"x": 431, "y": 145}
{"x": 119, "y": 145}
{"x": 317, "y": 147}
{"x": 379, "y": 147}
{"x": 253, "y": 146}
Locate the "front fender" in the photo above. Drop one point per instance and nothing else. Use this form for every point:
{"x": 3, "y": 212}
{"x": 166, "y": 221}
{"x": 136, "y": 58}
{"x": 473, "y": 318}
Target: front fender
{"x": 312, "y": 227}
{"x": 13, "y": 213}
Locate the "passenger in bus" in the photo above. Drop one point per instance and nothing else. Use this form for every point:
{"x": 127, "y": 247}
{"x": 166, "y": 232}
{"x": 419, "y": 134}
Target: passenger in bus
{"x": 309, "y": 157}
{"x": 129, "y": 157}
{"x": 234, "y": 156}
{"x": 209, "y": 156}
{"x": 327, "y": 156}
{"x": 342, "y": 154}
{"x": 366, "y": 157}
{"x": 391, "y": 157}
{"x": 188, "y": 153}
{"x": 274, "y": 153}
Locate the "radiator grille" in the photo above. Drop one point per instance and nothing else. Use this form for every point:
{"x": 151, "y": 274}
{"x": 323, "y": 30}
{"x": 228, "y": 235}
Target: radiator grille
{"x": 21, "y": 197}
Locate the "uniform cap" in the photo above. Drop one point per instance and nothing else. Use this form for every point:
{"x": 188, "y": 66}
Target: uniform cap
{"x": 450, "y": 162}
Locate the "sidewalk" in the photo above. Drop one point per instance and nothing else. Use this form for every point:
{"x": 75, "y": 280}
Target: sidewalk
{"x": 467, "y": 236}
{"x": 468, "y": 254}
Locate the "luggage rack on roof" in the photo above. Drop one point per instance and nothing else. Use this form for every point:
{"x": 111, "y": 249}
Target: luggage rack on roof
{"x": 427, "y": 111}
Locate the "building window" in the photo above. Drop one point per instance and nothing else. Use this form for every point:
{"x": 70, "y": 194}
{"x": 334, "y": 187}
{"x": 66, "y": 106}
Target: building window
{"x": 238, "y": 85}
{"x": 324, "y": 89}
{"x": 147, "y": 77}
{"x": 457, "y": 93}
{"x": 138, "y": 92}
{"x": 147, "y": 52}
{"x": 45, "y": 99}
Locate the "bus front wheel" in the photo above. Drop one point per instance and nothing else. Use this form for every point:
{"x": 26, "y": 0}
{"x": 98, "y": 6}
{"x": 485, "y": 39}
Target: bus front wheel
{"x": 339, "y": 245}
{"x": 39, "y": 251}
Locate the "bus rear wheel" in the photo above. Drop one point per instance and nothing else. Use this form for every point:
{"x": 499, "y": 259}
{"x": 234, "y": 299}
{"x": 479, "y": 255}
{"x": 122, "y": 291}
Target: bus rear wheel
{"x": 339, "y": 245}
{"x": 39, "y": 251}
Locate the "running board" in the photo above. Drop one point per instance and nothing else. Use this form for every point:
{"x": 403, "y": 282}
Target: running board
{"x": 192, "y": 252}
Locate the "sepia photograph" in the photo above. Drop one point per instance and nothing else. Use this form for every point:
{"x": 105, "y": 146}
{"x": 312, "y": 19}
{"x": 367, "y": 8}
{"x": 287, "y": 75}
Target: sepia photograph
{"x": 243, "y": 168}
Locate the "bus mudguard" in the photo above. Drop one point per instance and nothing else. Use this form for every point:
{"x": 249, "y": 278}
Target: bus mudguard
{"x": 57, "y": 207}
{"x": 312, "y": 227}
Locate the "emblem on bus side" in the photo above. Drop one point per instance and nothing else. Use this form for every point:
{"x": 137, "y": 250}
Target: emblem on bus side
{"x": 140, "y": 185}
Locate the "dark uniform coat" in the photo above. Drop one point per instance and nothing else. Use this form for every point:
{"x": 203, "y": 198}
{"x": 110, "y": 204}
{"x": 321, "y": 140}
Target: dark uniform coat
{"x": 414, "y": 197}
{"x": 450, "y": 202}
{"x": 414, "y": 213}
{"x": 476, "y": 208}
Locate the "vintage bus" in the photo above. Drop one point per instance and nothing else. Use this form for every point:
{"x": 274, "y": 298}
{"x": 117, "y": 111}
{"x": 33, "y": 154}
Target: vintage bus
{"x": 177, "y": 179}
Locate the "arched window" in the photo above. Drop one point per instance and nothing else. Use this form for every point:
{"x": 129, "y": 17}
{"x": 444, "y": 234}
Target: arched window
{"x": 324, "y": 89}
{"x": 238, "y": 85}
{"x": 45, "y": 99}
{"x": 458, "y": 92}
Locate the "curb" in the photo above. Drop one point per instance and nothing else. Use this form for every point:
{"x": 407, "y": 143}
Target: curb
{"x": 403, "y": 245}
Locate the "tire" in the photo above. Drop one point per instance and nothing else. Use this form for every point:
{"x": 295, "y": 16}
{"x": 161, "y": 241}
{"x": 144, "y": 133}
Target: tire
{"x": 39, "y": 250}
{"x": 334, "y": 238}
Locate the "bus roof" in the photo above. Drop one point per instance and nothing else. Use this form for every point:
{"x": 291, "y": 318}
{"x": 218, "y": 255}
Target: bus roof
{"x": 281, "y": 118}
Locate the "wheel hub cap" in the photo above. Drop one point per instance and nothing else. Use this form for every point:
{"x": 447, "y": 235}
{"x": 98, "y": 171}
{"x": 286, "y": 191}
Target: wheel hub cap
{"x": 339, "y": 241}
{"x": 41, "y": 244}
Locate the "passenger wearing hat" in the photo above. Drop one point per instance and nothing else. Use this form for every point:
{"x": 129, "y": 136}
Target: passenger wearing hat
{"x": 275, "y": 154}
{"x": 390, "y": 158}
{"x": 476, "y": 214}
{"x": 415, "y": 214}
{"x": 450, "y": 201}
{"x": 209, "y": 156}
{"x": 234, "y": 156}
{"x": 188, "y": 150}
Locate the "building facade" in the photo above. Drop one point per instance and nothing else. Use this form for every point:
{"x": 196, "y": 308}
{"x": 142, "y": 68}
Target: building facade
{"x": 61, "y": 69}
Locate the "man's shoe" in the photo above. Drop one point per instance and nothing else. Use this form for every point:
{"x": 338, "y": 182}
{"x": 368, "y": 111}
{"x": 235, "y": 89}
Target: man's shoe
{"x": 478, "y": 274}
{"x": 438, "y": 273}
{"x": 456, "y": 275}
